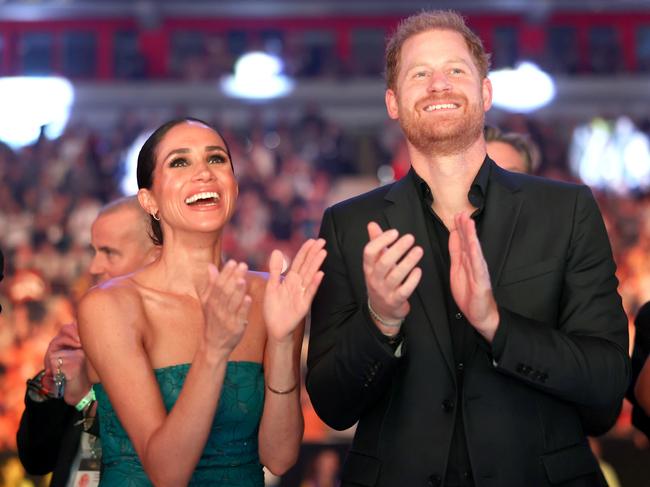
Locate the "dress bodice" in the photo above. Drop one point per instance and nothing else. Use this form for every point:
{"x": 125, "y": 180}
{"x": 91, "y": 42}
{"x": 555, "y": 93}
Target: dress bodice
{"x": 230, "y": 457}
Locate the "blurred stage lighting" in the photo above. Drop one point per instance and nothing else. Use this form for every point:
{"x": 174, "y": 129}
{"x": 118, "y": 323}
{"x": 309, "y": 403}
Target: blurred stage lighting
{"x": 611, "y": 154}
{"x": 523, "y": 89}
{"x": 129, "y": 180}
{"x": 258, "y": 76}
{"x": 29, "y": 103}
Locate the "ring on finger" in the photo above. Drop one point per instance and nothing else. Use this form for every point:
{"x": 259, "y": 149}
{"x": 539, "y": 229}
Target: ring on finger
{"x": 59, "y": 378}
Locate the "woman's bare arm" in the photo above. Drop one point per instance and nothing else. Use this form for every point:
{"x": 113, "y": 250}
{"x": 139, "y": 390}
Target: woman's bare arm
{"x": 286, "y": 302}
{"x": 169, "y": 445}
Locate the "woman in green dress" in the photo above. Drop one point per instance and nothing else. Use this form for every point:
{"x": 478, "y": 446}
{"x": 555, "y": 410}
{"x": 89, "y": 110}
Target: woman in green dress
{"x": 197, "y": 360}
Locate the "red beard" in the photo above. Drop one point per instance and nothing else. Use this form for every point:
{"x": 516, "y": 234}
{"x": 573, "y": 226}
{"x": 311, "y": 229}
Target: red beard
{"x": 443, "y": 133}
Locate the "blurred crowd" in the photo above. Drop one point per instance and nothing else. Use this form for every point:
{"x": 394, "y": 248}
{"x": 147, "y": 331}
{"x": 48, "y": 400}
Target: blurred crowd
{"x": 51, "y": 192}
{"x": 288, "y": 173}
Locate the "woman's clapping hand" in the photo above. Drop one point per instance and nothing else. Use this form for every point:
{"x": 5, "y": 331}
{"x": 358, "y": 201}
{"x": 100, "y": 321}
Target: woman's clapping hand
{"x": 287, "y": 300}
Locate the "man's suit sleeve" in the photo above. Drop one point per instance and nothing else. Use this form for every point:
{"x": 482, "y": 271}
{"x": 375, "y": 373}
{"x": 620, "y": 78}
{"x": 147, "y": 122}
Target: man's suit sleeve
{"x": 583, "y": 359}
{"x": 349, "y": 366}
{"x": 41, "y": 432}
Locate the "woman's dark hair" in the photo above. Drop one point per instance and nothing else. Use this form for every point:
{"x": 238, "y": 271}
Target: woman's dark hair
{"x": 147, "y": 163}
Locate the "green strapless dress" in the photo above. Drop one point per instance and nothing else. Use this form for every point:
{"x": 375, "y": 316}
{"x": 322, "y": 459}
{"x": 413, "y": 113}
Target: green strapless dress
{"x": 230, "y": 457}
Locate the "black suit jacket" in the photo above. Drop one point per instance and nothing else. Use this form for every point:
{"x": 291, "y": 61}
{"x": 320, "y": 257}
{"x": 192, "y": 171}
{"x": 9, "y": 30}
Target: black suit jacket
{"x": 562, "y": 328}
{"x": 48, "y": 438}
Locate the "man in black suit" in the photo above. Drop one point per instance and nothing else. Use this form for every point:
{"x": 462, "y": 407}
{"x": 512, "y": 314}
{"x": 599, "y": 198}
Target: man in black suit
{"x": 51, "y": 428}
{"x": 477, "y": 315}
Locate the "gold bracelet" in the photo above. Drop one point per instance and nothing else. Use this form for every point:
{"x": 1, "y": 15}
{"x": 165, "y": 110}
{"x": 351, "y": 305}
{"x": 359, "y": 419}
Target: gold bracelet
{"x": 275, "y": 391}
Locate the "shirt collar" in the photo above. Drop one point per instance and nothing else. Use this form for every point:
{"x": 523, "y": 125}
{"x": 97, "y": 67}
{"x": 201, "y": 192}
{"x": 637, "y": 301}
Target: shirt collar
{"x": 476, "y": 194}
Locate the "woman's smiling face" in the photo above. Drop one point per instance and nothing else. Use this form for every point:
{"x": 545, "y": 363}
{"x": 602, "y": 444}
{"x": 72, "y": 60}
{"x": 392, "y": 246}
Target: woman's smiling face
{"x": 194, "y": 187}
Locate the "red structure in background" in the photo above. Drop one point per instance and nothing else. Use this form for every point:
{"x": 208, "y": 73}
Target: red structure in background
{"x": 623, "y": 39}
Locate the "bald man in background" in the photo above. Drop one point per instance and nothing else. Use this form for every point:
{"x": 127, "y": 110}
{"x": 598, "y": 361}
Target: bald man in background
{"x": 52, "y": 428}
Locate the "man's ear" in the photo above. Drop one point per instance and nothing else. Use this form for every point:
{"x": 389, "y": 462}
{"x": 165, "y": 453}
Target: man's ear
{"x": 391, "y": 104}
{"x": 486, "y": 92}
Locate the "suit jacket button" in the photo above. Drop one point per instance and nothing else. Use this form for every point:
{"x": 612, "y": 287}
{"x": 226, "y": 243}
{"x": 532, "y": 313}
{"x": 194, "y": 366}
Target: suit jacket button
{"x": 434, "y": 481}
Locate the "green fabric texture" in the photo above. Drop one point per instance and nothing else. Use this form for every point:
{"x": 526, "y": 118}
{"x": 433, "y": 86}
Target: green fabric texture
{"x": 230, "y": 457}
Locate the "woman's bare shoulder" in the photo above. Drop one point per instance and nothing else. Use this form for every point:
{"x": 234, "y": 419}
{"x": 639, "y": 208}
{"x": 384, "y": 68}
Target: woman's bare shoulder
{"x": 116, "y": 297}
{"x": 118, "y": 288}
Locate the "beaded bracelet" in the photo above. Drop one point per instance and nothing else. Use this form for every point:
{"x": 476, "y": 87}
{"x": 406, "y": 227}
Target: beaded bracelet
{"x": 86, "y": 400}
{"x": 382, "y": 321}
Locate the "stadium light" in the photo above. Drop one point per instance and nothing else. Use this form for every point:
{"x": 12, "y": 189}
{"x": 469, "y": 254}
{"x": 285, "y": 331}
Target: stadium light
{"x": 258, "y": 76}
{"x": 523, "y": 89}
{"x": 129, "y": 180}
{"x": 29, "y": 103}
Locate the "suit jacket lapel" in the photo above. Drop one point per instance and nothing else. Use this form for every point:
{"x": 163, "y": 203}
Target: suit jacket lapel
{"x": 502, "y": 209}
{"x": 405, "y": 214}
